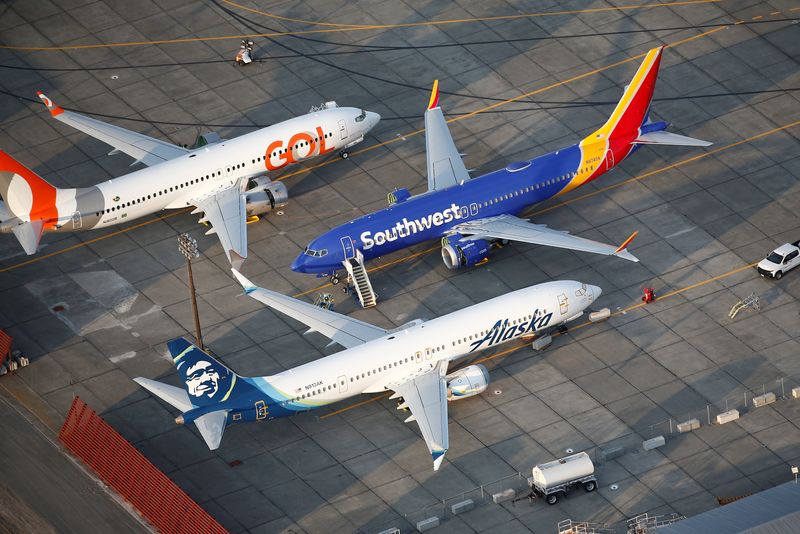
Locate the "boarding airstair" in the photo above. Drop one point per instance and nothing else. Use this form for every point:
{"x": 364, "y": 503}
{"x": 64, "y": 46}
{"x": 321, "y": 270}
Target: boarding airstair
{"x": 568, "y": 526}
{"x": 358, "y": 275}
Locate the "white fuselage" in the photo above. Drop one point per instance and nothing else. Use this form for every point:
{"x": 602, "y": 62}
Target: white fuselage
{"x": 394, "y": 358}
{"x": 177, "y": 182}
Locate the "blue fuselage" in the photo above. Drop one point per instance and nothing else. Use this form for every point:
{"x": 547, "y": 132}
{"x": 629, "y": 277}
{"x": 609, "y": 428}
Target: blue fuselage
{"x": 433, "y": 215}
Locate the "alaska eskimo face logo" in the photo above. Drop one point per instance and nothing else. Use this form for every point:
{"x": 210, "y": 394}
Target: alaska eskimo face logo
{"x": 205, "y": 380}
{"x": 202, "y": 379}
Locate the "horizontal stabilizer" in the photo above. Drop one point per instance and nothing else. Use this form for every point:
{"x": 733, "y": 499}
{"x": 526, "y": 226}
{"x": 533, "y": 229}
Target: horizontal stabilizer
{"x": 210, "y": 425}
{"x": 29, "y": 234}
{"x": 176, "y": 397}
{"x": 667, "y": 138}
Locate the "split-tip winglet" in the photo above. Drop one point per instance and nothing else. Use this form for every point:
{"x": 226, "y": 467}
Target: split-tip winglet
{"x": 434, "y": 101}
{"x": 51, "y": 106}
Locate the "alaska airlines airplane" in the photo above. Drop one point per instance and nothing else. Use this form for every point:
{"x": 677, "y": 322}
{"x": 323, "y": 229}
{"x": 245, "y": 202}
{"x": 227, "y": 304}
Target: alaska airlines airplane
{"x": 412, "y": 361}
{"x": 223, "y": 179}
{"x": 469, "y": 215}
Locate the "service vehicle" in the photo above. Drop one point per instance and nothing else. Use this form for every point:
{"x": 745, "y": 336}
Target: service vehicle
{"x": 780, "y": 261}
{"x": 556, "y": 479}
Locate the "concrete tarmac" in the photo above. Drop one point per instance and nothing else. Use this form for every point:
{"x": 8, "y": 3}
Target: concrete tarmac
{"x": 47, "y": 488}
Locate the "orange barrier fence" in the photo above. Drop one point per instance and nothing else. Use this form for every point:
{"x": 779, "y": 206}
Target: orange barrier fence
{"x": 125, "y": 469}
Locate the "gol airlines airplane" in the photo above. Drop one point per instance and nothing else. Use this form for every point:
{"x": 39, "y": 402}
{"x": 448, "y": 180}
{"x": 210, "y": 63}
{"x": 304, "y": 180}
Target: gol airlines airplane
{"x": 412, "y": 361}
{"x": 223, "y": 179}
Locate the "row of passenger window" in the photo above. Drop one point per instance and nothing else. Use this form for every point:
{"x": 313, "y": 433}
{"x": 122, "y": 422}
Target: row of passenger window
{"x": 366, "y": 374}
{"x": 524, "y": 190}
{"x": 483, "y": 333}
{"x": 159, "y": 193}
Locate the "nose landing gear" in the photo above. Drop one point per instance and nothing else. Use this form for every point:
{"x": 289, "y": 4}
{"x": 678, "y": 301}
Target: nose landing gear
{"x": 344, "y": 154}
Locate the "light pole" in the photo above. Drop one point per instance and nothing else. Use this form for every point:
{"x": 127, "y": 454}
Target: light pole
{"x": 188, "y": 247}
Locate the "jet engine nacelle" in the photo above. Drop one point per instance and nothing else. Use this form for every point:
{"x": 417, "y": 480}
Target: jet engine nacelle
{"x": 457, "y": 253}
{"x": 264, "y": 195}
{"x": 467, "y": 382}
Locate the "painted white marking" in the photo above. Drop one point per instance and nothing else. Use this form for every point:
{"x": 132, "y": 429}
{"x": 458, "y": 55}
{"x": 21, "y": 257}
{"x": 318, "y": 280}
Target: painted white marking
{"x": 680, "y": 232}
{"x": 126, "y": 356}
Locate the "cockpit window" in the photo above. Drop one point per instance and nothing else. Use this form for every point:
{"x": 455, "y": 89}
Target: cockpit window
{"x": 362, "y": 116}
{"x": 315, "y": 253}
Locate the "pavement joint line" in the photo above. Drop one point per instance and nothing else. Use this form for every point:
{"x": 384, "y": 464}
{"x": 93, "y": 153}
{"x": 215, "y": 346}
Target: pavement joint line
{"x": 351, "y": 27}
{"x": 91, "y": 241}
{"x": 339, "y": 28}
{"x": 80, "y": 466}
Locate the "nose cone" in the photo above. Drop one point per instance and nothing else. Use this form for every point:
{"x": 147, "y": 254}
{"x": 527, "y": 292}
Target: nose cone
{"x": 372, "y": 120}
{"x": 594, "y": 292}
{"x": 299, "y": 263}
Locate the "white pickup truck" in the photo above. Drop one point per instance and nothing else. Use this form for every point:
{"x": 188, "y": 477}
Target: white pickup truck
{"x": 781, "y": 260}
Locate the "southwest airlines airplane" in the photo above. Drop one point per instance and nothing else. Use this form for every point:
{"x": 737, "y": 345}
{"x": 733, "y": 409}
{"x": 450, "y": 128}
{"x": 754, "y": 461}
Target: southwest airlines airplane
{"x": 468, "y": 215}
{"x": 223, "y": 179}
{"x": 412, "y": 361}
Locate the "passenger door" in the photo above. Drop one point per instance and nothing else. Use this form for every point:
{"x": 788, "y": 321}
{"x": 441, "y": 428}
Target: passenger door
{"x": 343, "y": 129}
{"x": 347, "y": 246}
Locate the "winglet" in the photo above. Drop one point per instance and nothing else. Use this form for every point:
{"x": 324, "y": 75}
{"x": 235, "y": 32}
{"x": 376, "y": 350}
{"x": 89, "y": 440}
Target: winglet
{"x": 434, "y": 101}
{"x": 54, "y": 109}
{"x": 248, "y": 286}
{"x": 438, "y": 458}
{"x": 627, "y": 242}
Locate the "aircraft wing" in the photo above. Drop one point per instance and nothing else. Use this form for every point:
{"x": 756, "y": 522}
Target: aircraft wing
{"x": 344, "y": 330}
{"x": 445, "y": 167}
{"x": 142, "y": 148}
{"x": 226, "y": 211}
{"x": 516, "y": 229}
{"x": 426, "y": 397}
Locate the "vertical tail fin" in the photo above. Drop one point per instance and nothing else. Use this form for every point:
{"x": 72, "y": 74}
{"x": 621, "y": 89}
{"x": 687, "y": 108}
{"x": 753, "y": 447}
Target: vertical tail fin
{"x": 26, "y": 194}
{"x": 632, "y": 110}
{"x": 30, "y": 202}
{"x": 207, "y": 384}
